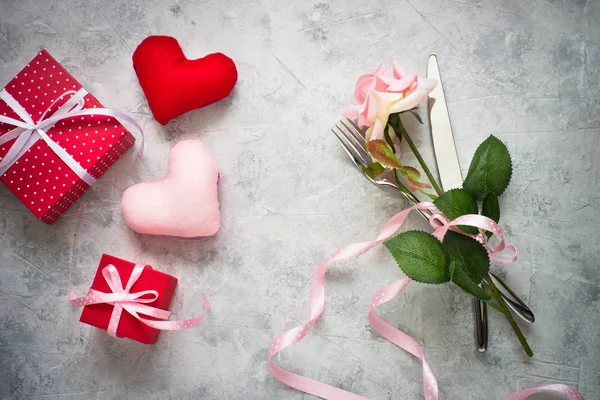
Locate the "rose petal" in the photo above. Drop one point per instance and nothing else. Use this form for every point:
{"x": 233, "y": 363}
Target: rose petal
{"x": 350, "y": 112}
{"x": 377, "y": 132}
{"x": 385, "y": 101}
{"x": 383, "y": 71}
{"x": 364, "y": 85}
{"x": 427, "y": 84}
{"x": 384, "y": 91}
{"x": 380, "y": 83}
{"x": 371, "y": 111}
{"x": 389, "y": 97}
{"x": 399, "y": 72}
{"x": 410, "y": 101}
{"x": 387, "y": 79}
{"x": 400, "y": 85}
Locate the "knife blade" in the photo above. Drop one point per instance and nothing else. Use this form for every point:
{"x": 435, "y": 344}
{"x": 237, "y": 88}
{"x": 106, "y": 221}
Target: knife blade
{"x": 512, "y": 300}
{"x": 441, "y": 132}
{"x": 449, "y": 171}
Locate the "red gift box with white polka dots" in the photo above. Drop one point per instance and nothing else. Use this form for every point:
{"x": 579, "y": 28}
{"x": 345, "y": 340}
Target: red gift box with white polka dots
{"x": 98, "y": 315}
{"x": 39, "y": 178}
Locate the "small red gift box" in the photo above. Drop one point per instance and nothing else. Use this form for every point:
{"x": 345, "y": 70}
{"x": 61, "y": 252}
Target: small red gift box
{"x": 38, "y": 176}
{"x": 99, "y": 315}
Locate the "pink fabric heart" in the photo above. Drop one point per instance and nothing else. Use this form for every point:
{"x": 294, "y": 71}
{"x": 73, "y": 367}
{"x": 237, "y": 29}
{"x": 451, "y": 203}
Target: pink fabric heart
{"x": 184, "y": 203}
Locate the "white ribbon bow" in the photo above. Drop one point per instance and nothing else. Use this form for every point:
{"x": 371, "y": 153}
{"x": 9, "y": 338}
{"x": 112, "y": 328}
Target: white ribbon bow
{"x": 27, "y": 132}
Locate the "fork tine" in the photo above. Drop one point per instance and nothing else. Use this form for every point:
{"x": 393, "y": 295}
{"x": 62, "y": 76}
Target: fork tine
{"x": 350, "y": 150}
{"x": 358, "y": 138}
{"x": 353, "y": 138}
{"x": 364, "y": 156}
{"x": 359, "y": 132}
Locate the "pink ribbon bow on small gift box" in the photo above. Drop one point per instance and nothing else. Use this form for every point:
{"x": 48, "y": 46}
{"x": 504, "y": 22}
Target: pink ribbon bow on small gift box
{"x": 135, "y": 303}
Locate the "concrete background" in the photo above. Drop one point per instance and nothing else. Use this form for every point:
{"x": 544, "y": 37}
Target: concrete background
{"x": 525, "y": 71}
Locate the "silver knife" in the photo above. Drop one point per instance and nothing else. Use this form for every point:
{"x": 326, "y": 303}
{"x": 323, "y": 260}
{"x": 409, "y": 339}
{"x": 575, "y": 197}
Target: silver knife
{"x": 449, "y": 170}
{"x": 450, "y": 178}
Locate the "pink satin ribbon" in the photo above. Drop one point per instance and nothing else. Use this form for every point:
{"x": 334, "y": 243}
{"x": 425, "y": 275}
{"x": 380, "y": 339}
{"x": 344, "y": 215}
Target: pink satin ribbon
{"x": 133, "y": 303}
{"x": 389, "y": 292}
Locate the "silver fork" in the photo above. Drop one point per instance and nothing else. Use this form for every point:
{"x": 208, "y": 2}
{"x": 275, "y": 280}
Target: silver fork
{"x": 353, "y": 142}
{"x": 352, "y": 139}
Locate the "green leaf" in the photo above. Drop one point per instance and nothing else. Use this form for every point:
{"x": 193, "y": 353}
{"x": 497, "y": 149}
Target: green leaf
{"x": 490, "y": 169}
{"x": 461, "y": 278}
{"x": 393, "y": 120}
{"x": 410, "y": 172}
{"x": 457, "y": 202}
{"x": 382, "y": 153}
{"x": 416, "y": 116}
{"x": 420, "y": 256}
{"x": 491, "y": 209}
{"x": 413, "y": 176}
{"x": 415, "y": 186}
{"x": 373, "y": 170}
{"x": 469, "y": 252}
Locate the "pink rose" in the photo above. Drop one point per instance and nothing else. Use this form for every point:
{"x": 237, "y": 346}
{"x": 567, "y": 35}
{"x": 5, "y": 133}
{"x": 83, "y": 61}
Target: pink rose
{"x": 365, "y": 110}
{"x": 383, "y": 92}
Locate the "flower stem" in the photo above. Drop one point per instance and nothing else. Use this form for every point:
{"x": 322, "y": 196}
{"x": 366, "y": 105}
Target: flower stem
{"x": 504, "y": 309}
{"x": 417, "y": 154}
{"x": 494, "y": 305}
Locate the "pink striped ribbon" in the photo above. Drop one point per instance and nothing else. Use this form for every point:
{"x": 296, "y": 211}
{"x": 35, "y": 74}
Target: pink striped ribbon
{"x": 134, "y": 303}
{"x": 389, "y": 292}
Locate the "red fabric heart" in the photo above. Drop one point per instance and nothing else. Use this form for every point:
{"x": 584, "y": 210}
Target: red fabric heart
{"x": 173, "y": 84}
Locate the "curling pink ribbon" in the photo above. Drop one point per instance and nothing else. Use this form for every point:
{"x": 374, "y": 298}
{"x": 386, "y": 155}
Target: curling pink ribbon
{"x": 389, "y": 292}
{"x": 133, "y": 303}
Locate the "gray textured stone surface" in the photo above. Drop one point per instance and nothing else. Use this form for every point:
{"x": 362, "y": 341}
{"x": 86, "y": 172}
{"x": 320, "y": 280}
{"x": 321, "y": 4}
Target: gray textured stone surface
{"x": 526, "y": 71}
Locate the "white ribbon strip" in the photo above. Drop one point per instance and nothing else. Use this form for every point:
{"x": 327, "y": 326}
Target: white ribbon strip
{"x": 28, "y": 132}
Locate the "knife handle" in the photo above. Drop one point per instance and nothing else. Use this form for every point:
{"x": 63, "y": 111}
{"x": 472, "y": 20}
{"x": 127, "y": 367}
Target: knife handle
{"x": 481, "y": 323}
